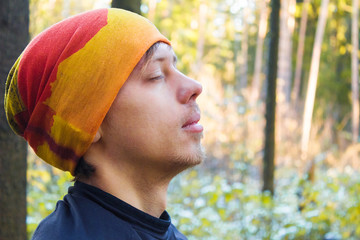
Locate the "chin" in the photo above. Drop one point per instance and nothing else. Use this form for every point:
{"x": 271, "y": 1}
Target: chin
{"x": 191, "y": 159}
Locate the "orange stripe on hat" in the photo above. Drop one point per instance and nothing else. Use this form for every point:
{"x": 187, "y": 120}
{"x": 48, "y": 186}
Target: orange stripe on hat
{"x": 62, "y": 86}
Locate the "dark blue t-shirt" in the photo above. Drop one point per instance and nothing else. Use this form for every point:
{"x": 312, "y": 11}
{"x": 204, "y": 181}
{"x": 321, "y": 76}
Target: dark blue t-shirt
{"x": 89, "y": 213}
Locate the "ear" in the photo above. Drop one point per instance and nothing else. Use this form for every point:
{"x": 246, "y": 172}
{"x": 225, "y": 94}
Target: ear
{"x": 97, "y": 136}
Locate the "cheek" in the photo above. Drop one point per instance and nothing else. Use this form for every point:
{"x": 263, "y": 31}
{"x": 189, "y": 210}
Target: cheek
{"x": 145, "y": 118}
{"x": 142, "y": 121}
{"x": 149, "y": 135}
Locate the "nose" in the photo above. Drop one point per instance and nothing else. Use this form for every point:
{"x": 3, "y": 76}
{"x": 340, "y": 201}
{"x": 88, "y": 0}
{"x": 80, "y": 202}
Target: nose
{"x": 189, "y": 89}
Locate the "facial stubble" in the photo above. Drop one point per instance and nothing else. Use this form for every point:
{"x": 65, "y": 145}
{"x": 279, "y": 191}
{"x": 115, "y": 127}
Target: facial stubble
{"x": 184, "y": 161}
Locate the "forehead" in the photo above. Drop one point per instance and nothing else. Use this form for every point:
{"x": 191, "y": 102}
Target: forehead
{"x": 163, "y": 52}
{"x": 157, "y": 53}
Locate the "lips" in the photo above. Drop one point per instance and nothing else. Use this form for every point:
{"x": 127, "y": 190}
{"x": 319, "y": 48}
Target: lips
{"x": 192, "y": 124}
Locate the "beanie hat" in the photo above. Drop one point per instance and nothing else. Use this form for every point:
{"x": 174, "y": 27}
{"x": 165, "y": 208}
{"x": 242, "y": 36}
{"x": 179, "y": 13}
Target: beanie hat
{"x": 63, "y": 84}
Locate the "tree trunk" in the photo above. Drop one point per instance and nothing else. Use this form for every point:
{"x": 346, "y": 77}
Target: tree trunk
{"x": 201, "y": 37}
{"x": 314, "y": 71}
{"x": 300, "y": 52}
{"x": 269, "y": 150}
{"x": 66, "y": 9}
{"x": 285, "y": 50}
{"x": 291, "y": 29}
{"x": 14, "y": 35}
{"x": 355, "y": 71}
{"x": 256, "y": 83}
{"x": 287, "y": 21}
{"x": 152, "y": 9}
{"x": 243, "y": 60}
{"x": 130, "y": 5}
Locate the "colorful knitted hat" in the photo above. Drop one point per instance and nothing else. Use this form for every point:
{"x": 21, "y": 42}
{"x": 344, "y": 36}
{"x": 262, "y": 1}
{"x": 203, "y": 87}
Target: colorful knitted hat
{"x": 63, "y": 84}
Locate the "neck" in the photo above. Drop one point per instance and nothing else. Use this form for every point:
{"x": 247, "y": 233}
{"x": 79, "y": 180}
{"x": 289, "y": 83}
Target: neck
{"x": 138, "y": 187}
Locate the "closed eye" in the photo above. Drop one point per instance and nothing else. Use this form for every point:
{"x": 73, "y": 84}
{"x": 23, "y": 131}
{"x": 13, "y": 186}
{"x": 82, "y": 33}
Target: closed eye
{"x": 157, "y": 78}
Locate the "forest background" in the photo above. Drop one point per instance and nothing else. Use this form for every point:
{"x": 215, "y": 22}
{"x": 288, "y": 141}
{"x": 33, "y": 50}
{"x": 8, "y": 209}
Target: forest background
{"x": 313, "y": 190}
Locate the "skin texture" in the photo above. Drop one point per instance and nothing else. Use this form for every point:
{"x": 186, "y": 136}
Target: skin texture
{"x": 149, "y": 135}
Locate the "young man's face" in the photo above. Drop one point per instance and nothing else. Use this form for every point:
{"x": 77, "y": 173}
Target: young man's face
{"x": 153, "y": 121}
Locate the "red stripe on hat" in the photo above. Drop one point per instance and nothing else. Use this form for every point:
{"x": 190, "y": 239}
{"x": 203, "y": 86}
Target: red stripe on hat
{"x": 39, "y": 64}
{"x": 65, "y": 153}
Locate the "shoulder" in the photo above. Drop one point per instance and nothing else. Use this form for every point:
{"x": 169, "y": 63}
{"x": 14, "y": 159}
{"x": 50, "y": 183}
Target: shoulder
{"x": 78, "y": 218}
{"x": 55, "y": 224}
{"x": 176, "y": 234}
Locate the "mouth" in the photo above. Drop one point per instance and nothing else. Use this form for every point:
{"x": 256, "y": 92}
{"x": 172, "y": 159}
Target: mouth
{"x": 192, "y": 124}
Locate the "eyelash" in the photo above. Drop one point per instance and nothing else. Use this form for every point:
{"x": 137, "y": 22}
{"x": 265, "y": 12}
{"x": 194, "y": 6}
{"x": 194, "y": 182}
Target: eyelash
{"x": 157, "y": 78}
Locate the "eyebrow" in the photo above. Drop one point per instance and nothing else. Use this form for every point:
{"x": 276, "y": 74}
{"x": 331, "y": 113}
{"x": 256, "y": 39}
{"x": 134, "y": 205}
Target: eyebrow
{"x": 161, "y": 58}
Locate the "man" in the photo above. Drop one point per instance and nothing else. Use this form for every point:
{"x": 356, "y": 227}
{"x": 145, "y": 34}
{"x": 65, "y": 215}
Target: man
{"x": 99, "y": 95}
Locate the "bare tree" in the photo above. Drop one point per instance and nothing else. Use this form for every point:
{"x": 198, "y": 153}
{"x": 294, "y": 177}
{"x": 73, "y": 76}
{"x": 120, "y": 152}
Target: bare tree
{"x": 314, "y": 71}
{"x": 201, "y": 37}
{"x": 355, "y": 71}
{"x": 269, "y": 150}
{"x": 243, "y": 61}
{"x": 284, "y": 74}
{"x": 14, "y": 35}
{"x": 152, "y": 9}
{"x": 130, "y": 5}
{"x": 256, "y": 83}
{"x": 287, "y": 25}
{"x": 300, "y": 52}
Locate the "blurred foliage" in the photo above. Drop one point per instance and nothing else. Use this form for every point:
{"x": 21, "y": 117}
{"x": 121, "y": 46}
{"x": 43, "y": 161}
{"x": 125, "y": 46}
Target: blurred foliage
{"x": 44, "y": 13}
{"x": 46, "y": 185}
{"x": 211, "y": 207}
{"x": 221, "y": 199}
